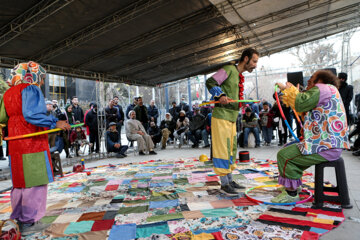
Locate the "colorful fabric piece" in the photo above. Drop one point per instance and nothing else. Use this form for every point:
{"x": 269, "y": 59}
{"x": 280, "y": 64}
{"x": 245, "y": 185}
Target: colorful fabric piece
{"x": 30, "y": 72}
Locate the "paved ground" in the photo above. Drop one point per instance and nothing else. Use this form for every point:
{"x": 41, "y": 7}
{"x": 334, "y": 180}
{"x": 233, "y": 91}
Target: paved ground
{"x": 347, "y": 230}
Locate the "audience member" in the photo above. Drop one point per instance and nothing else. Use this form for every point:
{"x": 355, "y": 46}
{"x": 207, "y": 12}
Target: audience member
{"x": 78, "y": 139}
{"x": 77, "y": 110}
{"x": 135, "y": 131}
{"x": 182, "y": 126}
{"x": 113, "y": 141}
{"x": 153, "y": 112}
{"x": 167, "y": 127}
{"x": 282, "y": 128}
{"x": 196, "y": 126}
{"x": 87, "y": 127}
{"x": 141, "y": 113}
{"x": 206, "y": 132}
{"x": 174, "y": 111}
{"x": 91, "y": 121}
{"x": 111, "y": 114}
{"x": 155, "y": 133}
{"x": 266, "y": 119}
{"x": 346, "y": 92}
{"x": 250, "y": 124}
{"x": 131, "y": 107}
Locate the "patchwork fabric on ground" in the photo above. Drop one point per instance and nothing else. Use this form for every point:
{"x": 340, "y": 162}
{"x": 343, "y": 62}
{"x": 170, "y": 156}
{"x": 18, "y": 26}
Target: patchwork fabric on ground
{"x": 173, "y": 199}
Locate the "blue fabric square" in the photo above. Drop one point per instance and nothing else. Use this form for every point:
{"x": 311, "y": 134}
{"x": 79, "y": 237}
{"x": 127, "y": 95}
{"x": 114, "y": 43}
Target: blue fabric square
{"x": 164, "y": 204}
{"x": 143, "y": 175}
{"x": 75, "y": 189}
{"x": 318, "y": 230}
{"x": 125, "y": 232}
{"x": 79, "y": 227}
{"x": 161, "y": 184}
{"x": 126, "y": 181}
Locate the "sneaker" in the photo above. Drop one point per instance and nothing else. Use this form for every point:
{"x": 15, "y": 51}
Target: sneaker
{"x": 257, "y": 146}
{"x": 228, "y": 190}
{"x": 206, "y": 146}
{"x": 298, "y": 189}
{"x": 152, "y": 153}
{"x": 119, "y": 155}
{"x": 235, "y": 185}
{"x": 3, "y": 159}
{"x": 163, "y": 147}
{"x": 285, "y": 198}
{"x": 357, "y": 153}
{"x": 141, "y": 153}
{"x": 195, "y": 146}
{"x": 29, "y": 228}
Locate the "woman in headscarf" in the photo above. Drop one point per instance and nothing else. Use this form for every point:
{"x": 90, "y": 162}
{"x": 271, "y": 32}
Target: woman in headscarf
{"x": 23, "y": 110}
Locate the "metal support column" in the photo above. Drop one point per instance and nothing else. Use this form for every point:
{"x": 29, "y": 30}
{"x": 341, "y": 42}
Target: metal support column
{"x": 257, "y": 86}
{"x": 189, "y": 94}
{"x": 166, "y": 98}
{"x": 206, "y": 91}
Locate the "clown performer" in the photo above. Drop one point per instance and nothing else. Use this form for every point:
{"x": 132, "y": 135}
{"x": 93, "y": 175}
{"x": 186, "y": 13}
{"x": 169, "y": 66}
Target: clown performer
{"x": 225, "y": 85}
{"x": 325, "y": 132}
{"x": 23, "y": 110}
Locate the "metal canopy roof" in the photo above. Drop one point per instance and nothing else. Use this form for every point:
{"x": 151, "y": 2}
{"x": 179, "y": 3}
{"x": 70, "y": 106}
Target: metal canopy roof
{"x": 150, "y": 42}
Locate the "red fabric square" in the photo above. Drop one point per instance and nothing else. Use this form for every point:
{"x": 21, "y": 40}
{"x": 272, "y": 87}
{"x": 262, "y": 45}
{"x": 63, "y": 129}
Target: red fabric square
{"x": 243, "y": 202}
{"x": 75, "y": 184}
{"x": 112, "y": 187}
{"x": 217, "y": 236}
{"x": 100, "y": 225}
{"x": 309, "y": 236}
{"x": 212, "y": 178}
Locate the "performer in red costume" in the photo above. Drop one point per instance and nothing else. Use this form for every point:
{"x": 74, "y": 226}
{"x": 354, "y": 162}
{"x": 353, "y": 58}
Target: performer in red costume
{"x": 23, "y": 109}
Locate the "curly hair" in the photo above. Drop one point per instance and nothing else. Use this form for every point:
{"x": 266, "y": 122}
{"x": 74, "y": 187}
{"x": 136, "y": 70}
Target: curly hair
{"x": 324, "y": 76}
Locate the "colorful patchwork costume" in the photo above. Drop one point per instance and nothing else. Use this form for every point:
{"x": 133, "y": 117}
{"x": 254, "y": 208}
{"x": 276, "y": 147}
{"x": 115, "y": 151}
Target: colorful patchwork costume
{"x": 225, "y": 82}
{"x": 325, "y": 132}
{"x": 23, "y": 110}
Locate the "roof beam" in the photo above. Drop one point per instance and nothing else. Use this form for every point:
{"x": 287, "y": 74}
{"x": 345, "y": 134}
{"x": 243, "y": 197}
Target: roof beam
{"x": 118, "y": 18}
{"x": 30, "y": 18}
{"x": 176, "y": 26}
{"x": 77, "y": 73}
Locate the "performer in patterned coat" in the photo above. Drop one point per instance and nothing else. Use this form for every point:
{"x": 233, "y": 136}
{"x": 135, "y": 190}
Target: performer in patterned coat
{"x": 23, "y": 110}
{"x": 325, "y": 132}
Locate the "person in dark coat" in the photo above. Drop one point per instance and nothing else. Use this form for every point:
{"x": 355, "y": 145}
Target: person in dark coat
{"x": 92, "y": 122}
{"x": 141, "y": 113}
{"x": 77, "y": 110}
{"x": 111, "y": 114}
{"x": 153, "y": 112}
{"x": 346, "y": 92}
{"x": 121, "y": 115}
{"x": 113, "y": 141}
{"x": 174, "y": 111}
{"x": 155, "y": 133}
{"x": 197, "y": 124}
{"x": 131, "y": 107}
{"x": 167, "y": 127}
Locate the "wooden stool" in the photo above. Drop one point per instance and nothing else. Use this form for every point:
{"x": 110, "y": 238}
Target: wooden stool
{"x": 56, "y": 162}
{"x": 341, "y": 185}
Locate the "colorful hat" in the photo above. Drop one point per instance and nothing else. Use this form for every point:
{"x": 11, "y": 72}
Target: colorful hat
{"x": 30, "y": 72}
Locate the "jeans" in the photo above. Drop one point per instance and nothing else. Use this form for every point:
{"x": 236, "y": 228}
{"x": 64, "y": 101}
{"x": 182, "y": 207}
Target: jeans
{"x": 255, "y": 131}
{"x": 225, "y": 180}
{"x": 267, "y": 134}
{"x": 205, "y": 137}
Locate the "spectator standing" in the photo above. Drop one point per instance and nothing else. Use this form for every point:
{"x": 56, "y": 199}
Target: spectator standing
{"x": 167, "y": 127}
{"x": 121, "y": 116}
{"x": 111, "y": 114}
{"x": 182, "y": 126}
{"x": 91, "y": 121}
{"x": 131, "y": 107}
{"x": 87, "y": 111}
{"x": 141, "y": 113}
{"x": 174, "y": 111}
{"x": 113, "y": 141}
{"x": 206, "y": 132}
{"x": 346, "y": 92}
{"x": 184, "y": 106}
{"x": 69, "y": 115}
{"x": 266, "y": 119}
{"x": 77, "y": 110}
{"x": 135, "y": 131}
{"x": 153, "y": 112}
{"x": 250, "y": 124}
{"x": 282, "y": 128}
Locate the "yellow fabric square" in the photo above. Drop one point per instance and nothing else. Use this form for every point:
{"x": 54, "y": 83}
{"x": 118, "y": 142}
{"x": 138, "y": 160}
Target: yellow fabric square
{"x": 324, "y": 221}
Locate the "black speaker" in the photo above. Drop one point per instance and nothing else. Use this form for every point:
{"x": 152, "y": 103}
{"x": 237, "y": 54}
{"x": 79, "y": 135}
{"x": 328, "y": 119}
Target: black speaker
{"x": 295, "y": 78}
{"x": 333, "y": 70}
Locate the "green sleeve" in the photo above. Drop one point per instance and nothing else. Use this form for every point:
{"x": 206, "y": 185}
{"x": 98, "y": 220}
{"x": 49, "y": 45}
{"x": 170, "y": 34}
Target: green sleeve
{"x": 210, "y": 83}
{"x": 3, "y": 114}
{"x": 308, "y": 100}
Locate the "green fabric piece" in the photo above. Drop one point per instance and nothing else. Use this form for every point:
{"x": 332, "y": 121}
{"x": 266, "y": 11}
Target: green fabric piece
{"x": 121, "y": 196}
{"x": 99, "y": 183}
{"x": 181, "y": 181}
{"x": 159, "y": 218}
{"x": 234, "y": 149}
{"x": 230, "y": 87}
{"x": 130, "y": 173}
{"x": 34, "y": 167}
{"x": 270, "y": 182}
{"x": 143, "y": 231}
{"x": 79, "y": 227}
{"x": 65, "y": 185}
{"x": 162, "y": 174}
{"x": 164, "y": 197}
{"x": 86, "y": 189}
{"x": 136, "y": 201}
{"x": 48, "y": 219}
{"x": 308, "y": 100}
{"x": 238, "y": 177}
{"x": 219, "y": 212}
{"x": 3, "y": 114}
{"x": 127, "y": 210}
{"x": 296, "y": 163}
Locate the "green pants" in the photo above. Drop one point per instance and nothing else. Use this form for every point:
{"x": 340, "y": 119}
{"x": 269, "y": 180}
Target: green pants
{"x": 292, "y": 163}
